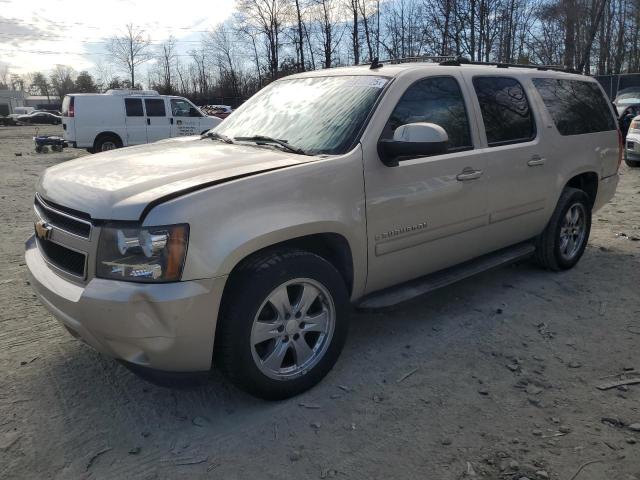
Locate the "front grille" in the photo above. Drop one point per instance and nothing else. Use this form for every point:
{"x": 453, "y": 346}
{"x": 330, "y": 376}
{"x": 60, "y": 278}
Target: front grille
{"x": 70, "y": 221}
{"x": 63, "y": 258}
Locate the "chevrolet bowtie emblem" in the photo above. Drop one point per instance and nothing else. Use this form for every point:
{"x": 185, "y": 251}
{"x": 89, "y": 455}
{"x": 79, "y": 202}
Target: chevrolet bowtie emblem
{"x": 43, "y": 230}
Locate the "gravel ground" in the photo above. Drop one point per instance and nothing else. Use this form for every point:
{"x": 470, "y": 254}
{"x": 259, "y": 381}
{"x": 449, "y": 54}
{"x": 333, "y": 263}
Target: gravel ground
{"x": 492, "y": 378}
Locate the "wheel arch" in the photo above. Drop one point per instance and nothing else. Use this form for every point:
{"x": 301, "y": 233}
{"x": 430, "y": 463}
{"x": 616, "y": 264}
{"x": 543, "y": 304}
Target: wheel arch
{"x": 587, "y": 182}
{"x": 105, "y": 134}
{"x": 333, "y": 247}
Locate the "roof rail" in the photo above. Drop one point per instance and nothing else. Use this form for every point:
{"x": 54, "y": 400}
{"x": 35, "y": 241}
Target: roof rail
{"x": 375, "y": 64}
{"x": 457, "y": 61}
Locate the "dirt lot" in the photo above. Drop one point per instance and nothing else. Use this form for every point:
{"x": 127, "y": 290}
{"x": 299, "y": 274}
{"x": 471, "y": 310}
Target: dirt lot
{"x": 492, "y": 378}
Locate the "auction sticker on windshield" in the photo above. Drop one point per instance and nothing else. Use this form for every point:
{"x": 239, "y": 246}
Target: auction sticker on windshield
{"x": 366, "y": 81}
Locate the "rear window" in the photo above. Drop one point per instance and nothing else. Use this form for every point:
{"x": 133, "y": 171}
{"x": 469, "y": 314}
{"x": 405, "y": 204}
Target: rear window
{"x": 133, "y": 106}
{"x": 576, "y": 107}
{"x": 505, "y": 110}
{"x": 155, "y": 107}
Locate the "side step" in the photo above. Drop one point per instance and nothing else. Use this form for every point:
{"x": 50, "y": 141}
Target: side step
{"x": 414, "y": 288}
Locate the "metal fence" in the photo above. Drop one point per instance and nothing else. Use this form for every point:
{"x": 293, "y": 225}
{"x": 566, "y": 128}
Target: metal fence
{"x": 612, "y": 84}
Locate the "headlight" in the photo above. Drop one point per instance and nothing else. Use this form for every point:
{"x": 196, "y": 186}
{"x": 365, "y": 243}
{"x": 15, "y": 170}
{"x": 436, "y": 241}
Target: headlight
{"x": 142, "y": 254}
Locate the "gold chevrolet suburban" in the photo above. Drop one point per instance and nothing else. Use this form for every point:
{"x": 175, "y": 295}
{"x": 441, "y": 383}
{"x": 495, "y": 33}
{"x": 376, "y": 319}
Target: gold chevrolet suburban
{"x": 244, "y": 247}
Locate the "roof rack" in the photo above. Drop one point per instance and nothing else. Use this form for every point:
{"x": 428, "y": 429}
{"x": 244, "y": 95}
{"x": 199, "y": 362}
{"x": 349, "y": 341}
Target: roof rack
{"x": 465, "y": 61}
{"x": 423, "y": 58}
{"x": 456, "y": 61}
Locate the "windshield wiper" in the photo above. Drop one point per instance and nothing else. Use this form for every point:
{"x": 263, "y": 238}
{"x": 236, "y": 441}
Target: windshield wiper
{"x": 217, "y": 136}
{"x": 264, "y": 139}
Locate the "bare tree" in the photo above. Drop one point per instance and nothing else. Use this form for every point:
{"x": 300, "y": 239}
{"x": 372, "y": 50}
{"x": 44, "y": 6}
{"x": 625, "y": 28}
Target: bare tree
{"x": 166, "y": 57}
{"x": 268, "y": 17}
{"x": 62, "y": 80}
{"x": 130, "y": 50}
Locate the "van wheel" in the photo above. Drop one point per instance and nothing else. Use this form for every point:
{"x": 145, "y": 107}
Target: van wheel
{"x": 283, "y": 324}
{"x": 565, "y": 238}
{"x": 632, "y": 163}
{"x": 106, "y": 142}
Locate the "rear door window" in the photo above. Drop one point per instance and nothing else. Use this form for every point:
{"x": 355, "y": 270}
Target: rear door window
{"x": 577, "y": 107}
{"x": 505, "y": 110}
{"x": 436, "y": 100}
{"x": 155, "y": 107}
{"x": 133, "y": 107}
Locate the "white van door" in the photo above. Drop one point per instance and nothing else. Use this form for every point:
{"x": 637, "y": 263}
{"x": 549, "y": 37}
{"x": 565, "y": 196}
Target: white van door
{"x": 136, "y": 121}
{"x": 158, "y": 124}
{"x": 185, "y": 118}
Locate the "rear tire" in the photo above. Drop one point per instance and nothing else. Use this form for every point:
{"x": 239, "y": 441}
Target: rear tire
{"x": 106, "y": 142}
{"x": 632, "y": 163}
{"x": 283, "y": 324}
{"x": 563, "y": 241}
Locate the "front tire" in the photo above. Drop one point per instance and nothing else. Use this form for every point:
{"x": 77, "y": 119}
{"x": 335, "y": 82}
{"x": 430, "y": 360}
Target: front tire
{"x": 563, "y": 241}
{"x": 632, "y": 163}
{"x": 283, "y": 324}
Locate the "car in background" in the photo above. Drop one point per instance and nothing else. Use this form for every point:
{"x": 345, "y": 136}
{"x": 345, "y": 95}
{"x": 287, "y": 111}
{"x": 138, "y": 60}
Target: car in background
{"x": 40, "y": 118}
{"x": 628, "y": 114}
{"x": 125, "y": 117}
{"x": 632, "y": 144}
{"x": 220, "y": 111}
{"x": 626, "y": 98}
{"x": 54, "y": 112}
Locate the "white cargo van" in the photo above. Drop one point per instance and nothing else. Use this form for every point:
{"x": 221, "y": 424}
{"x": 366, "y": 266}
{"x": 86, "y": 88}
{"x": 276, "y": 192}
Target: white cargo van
{"x": 121, "y": 118}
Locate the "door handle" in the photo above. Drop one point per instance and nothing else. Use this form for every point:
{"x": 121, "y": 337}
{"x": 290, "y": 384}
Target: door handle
{"x": 148, "y": 121}
{"x": 171, "y": 120}
{"x": 468, "y": 174}
{"x": 536, "y": 161}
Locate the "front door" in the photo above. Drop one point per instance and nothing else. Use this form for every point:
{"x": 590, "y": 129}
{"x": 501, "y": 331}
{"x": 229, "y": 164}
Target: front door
{"x": 136, "y": 121}
{"x": 158, "y": 124}
{"x": 185, "y": 118}
{"x": 426, "y": 213}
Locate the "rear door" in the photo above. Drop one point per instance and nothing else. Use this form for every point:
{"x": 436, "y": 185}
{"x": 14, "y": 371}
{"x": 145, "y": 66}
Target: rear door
{"x": 520, "y": 164}
{"x": 185, "y": 118}
{"x": 136, "y": 121}
{"x": 158, "y": 123}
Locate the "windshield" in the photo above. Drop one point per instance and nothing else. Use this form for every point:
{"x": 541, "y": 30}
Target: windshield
{"x": 321, "y": 115}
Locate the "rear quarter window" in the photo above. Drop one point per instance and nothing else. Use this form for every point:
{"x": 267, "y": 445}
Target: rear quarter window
{"x": 577, "y": 107}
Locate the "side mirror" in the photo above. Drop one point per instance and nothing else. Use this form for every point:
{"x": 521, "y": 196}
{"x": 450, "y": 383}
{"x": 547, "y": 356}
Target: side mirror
{"x": 194, "y": 112}
{"x": 413, "y": 140}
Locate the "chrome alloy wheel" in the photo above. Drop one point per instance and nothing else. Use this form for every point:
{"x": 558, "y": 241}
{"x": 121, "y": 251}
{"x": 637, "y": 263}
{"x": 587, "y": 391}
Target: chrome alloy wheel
{"x": 293, "y": 329}
{"x": 108, "y": 145}
{"x": 573, "y": 231}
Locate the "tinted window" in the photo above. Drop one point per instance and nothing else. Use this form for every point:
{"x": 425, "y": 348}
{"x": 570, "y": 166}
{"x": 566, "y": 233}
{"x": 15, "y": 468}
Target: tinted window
{"x": 576, "y": 107}
{"x": 133, "y": 106}
{"x": 434, "y": 100}
{"x": 155, "y": 107}
{"x": 505, "y": 110}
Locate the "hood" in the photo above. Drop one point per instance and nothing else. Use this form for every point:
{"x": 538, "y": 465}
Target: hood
{"x": 119, "y": 184}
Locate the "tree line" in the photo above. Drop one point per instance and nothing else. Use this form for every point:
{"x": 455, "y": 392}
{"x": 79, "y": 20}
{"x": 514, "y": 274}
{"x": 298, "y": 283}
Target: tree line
{"x": 268, "y": 39}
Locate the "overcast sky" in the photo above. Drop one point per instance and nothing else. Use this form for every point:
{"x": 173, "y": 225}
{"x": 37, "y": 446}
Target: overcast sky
{"x": 35, "y": 35}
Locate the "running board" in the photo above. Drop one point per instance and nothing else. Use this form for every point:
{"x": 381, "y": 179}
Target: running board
{"x": 414, "y": 288}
